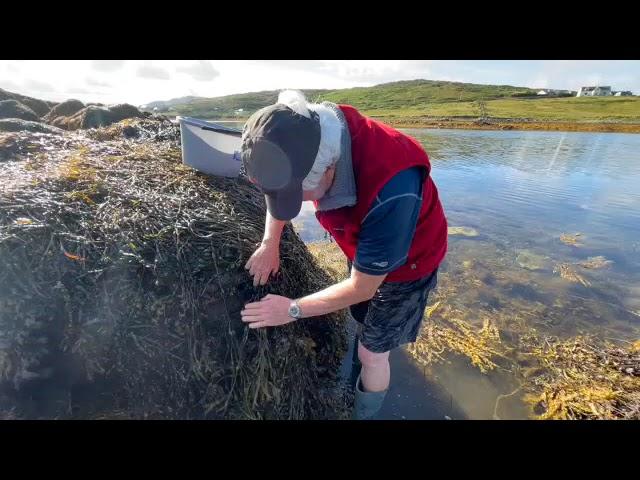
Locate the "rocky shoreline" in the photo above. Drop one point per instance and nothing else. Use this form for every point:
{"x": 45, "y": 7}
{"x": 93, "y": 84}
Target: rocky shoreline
{"x": 21, "y": 113}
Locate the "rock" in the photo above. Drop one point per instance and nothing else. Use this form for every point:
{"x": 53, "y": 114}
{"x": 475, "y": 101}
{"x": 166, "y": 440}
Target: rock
{"x": 531, "y": 261}
{"x": 8, "y": 146}
{"x": 15, "y": 109}
{"x": 60, "y": 122}
{"x": 158, "y": 129}
{"x": 90, "y": 117}
{"x": 123, "y": 111}
{"x": 94, "y": 116}
{"x": 19, "y": 125}
{"x": 64, "y": 109}
{"x": 39, "y": 107}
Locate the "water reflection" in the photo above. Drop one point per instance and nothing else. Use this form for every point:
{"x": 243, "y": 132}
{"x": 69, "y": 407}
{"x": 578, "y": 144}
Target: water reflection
{"x": 521, "y": 191}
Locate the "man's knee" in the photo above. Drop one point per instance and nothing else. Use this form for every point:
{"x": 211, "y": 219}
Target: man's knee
{"x": 371, "y": 359}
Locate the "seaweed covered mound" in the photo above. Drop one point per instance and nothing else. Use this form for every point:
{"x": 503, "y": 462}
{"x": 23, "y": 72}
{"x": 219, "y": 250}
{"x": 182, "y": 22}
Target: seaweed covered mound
{"x": 121, "y": 281}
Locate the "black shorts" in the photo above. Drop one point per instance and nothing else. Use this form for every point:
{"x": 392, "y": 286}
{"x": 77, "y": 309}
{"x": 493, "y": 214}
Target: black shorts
{"x": 393, "y": 316}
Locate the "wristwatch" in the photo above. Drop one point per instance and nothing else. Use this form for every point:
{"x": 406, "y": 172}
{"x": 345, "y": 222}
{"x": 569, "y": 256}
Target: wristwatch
{"x": 294, "y": 310}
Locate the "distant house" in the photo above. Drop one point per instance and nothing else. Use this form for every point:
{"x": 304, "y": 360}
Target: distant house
{"x": 548, "y": 92}
{"x": 596, "y": 91}
{"x": 625, "y": 93}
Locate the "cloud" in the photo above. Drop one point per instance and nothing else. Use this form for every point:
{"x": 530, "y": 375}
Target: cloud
{"x": 540, "y": 81}
{"x": 370, "y": 72}
{"x": 96, "y": 83}
{"x": 621, "y": 75}
{"x": 156, "y": 73}
{"x": 364, "y": 72}
{"x": 107, "y": 65}
{"x": 202, "y": 71}
{"x": 38, "y": 86}
{"x": 10, "y": 85}
{"x": 78, "y": 90}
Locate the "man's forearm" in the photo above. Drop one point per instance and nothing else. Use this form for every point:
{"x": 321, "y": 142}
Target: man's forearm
{"x": 336, "y": 297}
{"x": 272, "y": 230}
{"x": 273, "y": 310}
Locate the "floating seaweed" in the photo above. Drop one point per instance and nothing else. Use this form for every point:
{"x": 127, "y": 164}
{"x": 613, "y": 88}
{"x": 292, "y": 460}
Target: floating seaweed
{"x": 450, "y": 333}
{"x": 571, "y": 240}
{"x": 595, "y": 262}
{"x": 582, "y": 378}
{"x": 463, "y": 231}
{"x": 567, "y": 272}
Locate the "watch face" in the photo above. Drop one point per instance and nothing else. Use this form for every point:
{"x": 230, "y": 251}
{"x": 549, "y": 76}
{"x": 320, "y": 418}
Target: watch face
{"x": 294, "y": 311}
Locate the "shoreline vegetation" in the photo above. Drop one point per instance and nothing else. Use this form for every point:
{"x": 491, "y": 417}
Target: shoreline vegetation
{"x": 494, "y": 124}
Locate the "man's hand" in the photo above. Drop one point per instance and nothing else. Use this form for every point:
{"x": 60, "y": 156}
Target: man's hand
{"x": 271, "y": 311}
{"x": 264, "y": 261}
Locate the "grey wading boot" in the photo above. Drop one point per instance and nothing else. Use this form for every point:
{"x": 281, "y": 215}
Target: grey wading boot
{"x": 356, "y": 366}
{"x": 367, "y": 404}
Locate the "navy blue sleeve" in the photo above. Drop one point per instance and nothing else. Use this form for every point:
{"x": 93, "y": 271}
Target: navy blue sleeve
{"x": 388, "y": 229}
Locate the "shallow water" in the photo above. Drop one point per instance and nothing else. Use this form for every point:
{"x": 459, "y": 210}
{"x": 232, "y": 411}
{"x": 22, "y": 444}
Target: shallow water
{"x": 521, "y": 191}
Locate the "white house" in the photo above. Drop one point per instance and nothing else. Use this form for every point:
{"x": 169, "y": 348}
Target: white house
{"x": 549, "y": 92}
{"x": 594, "y": 92}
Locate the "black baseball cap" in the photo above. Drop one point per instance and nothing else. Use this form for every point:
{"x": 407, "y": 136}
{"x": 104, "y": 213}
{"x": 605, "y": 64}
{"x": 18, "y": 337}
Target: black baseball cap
{"x": 279, "y": 147}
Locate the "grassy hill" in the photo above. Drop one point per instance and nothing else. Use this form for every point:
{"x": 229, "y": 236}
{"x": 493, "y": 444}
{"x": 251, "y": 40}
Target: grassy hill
{"x": 228, "y": 106}
{"x": 423, "y": 100}
{"x": 396, "y": 95}
{"x": 421, "y": 94}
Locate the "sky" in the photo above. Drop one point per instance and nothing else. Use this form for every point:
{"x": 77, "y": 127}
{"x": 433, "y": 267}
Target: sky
{"x": 142, "y": 81}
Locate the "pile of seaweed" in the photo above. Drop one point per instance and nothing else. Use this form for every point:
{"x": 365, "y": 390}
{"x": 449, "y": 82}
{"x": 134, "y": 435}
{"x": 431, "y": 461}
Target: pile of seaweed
{"x": 121, "y": 281}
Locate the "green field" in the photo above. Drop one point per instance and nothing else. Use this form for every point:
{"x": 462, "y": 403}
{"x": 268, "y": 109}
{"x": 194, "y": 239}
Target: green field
{"x": 583, "y": 109}
{"x": 420, "y": 94}
{"x": 432, "y": 99}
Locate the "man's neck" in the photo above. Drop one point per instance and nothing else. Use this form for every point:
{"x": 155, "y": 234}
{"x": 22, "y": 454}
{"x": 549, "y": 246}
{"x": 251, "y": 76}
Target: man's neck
{"x": 342, "y": 192}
